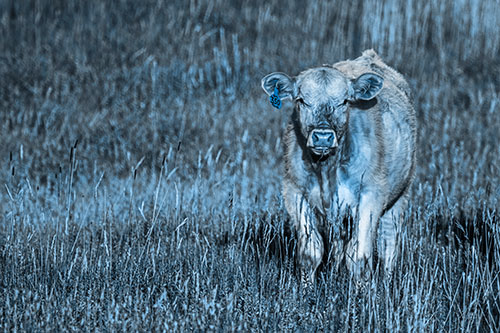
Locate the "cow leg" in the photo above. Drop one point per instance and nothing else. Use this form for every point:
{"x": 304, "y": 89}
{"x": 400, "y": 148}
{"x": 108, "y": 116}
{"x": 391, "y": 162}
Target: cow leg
{"x": 360, "y": 247}
{"x": 390, "y": 226}
{"x": 310, "y": 243}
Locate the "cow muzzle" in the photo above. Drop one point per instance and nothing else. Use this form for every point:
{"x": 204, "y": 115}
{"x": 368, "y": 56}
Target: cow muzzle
{"x": 322, "y": 141}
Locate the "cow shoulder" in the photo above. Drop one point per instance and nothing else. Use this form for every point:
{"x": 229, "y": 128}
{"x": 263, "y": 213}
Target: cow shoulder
{"x": 380, "y": 67}
{"x": 370, "y": 61}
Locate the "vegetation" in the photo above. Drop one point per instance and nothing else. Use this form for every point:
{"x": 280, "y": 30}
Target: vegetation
{"x": 141, "y": 165}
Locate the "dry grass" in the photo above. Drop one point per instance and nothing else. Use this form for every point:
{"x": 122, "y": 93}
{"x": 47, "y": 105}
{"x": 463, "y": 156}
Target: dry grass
{"x": 140, "y": 165}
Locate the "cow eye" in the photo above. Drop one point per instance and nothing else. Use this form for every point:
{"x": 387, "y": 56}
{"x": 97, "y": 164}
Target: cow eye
{"x": 342, "y": 104}
{"x": 301, "y": 102}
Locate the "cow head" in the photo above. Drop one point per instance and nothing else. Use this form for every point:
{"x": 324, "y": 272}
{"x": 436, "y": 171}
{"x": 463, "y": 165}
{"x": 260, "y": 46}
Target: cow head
{"x": 322, "y": 97}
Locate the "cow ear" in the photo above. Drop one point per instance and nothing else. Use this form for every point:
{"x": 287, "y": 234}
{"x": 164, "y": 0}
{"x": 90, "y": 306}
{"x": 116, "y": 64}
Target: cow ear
{"x": 281, "y": 81}
{"x": 366, "y": 86}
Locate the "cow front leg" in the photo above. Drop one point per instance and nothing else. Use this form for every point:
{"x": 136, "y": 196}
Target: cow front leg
{"x": 359, "y": 256}
{"x": 310, "y": 247}
{"x": 310, "y": 244}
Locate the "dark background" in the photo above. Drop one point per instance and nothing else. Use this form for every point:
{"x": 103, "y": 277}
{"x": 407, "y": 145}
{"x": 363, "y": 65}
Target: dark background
{"x": 140, "y": 165}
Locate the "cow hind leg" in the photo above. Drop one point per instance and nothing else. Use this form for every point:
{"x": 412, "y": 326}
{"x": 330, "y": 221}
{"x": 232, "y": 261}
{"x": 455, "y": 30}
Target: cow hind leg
{"x": 388, "y": 234}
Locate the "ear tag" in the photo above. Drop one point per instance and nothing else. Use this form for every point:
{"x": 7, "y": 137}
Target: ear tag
{"x": 275, "y": 99}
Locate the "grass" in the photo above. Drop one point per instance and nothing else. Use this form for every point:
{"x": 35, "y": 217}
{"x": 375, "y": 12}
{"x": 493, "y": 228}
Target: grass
{"x": 141, "y": 165}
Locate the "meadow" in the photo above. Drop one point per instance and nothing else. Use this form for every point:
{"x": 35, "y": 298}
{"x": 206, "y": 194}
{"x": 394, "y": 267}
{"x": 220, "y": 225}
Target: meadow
{"x": 141, "y": 166}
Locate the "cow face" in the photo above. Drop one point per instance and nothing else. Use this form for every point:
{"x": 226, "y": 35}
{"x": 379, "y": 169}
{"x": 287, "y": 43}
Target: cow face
{"x": 322, "y": 97}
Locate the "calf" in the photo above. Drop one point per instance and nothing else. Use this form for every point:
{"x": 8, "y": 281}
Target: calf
{"x": 350, "y": 150}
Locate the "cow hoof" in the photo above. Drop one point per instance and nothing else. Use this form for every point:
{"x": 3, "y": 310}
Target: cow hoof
{"x": 306, "y": 279}
{"x": 360, "y": 265}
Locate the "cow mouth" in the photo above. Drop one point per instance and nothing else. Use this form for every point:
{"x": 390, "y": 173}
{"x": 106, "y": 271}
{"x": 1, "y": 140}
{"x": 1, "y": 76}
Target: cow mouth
{"x": 321, "y": 154}
{"x": 321, "y": 151}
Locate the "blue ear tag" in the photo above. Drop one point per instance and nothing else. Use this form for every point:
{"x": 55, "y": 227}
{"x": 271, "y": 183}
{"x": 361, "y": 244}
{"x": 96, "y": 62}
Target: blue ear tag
{"x": 275, "y": 99}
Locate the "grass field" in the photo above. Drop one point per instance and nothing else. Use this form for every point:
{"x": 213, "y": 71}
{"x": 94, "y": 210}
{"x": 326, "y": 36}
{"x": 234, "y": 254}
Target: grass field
{"x": 140, "y": 165}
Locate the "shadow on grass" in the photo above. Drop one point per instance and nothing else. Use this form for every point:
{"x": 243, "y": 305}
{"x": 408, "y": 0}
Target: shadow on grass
{"x": 471, "y": 228}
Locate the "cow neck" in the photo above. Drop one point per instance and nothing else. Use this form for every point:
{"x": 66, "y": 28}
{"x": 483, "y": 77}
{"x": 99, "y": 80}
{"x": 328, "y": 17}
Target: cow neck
{"x": 302, "y": 141}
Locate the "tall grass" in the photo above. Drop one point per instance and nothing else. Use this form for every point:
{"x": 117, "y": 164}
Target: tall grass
{"x": 141, "y": 165}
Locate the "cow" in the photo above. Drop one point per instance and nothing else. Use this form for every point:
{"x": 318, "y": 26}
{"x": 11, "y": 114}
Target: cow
{"x": 349, "y": 151}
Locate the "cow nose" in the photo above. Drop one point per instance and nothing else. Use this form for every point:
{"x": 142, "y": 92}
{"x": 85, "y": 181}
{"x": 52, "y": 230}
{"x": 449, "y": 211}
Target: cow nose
{"x": 324, "y": 138}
